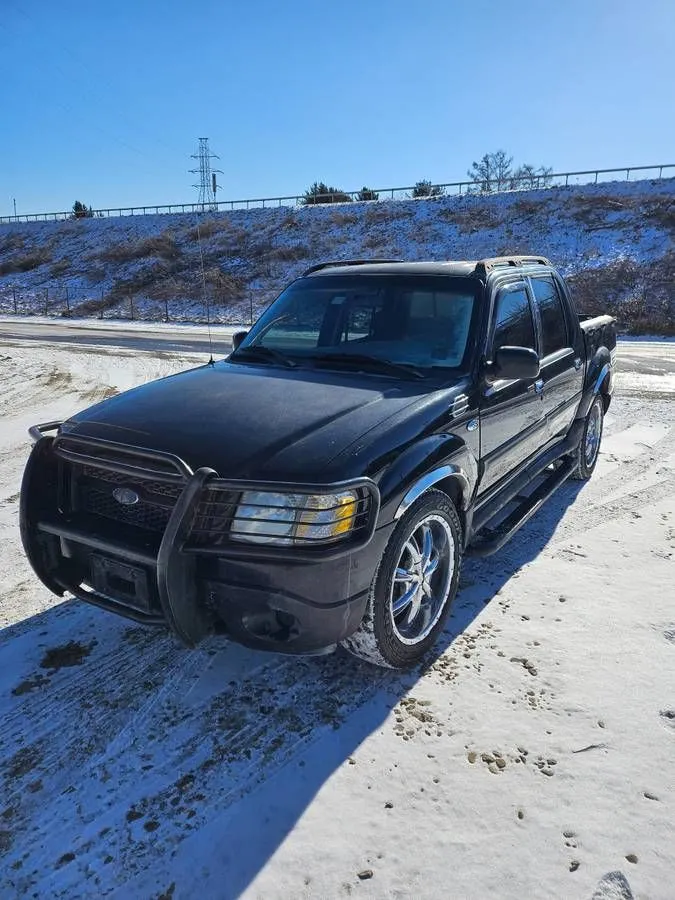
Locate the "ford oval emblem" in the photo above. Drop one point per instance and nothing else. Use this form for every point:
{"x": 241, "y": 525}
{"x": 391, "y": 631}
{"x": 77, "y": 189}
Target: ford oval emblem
{"x": 125, "y": 496}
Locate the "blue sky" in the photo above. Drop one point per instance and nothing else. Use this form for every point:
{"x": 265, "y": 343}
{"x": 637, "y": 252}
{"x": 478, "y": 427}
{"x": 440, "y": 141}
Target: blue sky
{"x": 104, "y": 101}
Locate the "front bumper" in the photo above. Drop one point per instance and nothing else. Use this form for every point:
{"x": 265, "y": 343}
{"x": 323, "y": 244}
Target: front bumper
{"x": 287, "y": 599}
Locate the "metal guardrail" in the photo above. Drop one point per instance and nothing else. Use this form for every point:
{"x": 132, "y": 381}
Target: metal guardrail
{"x": 529, "y": 182}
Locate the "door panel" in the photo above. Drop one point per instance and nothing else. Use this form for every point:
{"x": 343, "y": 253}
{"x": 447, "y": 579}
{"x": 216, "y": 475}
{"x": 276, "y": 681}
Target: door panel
{"x": 512, "y": 428}
{"x": 562, "y": 391}
{"x": 562, "y": 363}
{"x": 513, "y": 425}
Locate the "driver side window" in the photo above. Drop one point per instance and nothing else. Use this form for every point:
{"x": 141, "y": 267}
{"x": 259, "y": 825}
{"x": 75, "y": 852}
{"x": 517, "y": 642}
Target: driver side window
{"x": 514, "y": 325}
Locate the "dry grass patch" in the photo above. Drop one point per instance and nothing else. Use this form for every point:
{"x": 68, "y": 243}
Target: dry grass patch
{"x": 291, "y": 221}
{"x": 662, "y": 213}
{"x": 598, "y": 289}
{"x": 381, "y": 213}
{"x": 60, "y": 267}
{"x": 15, "y": 240}
{"x": 344, "y": 218}
{"x": 641, "y": 297}
{"x": 208, "y": 228}
{"x": 236, "y": 242}
{"x": 374, "y": 242}
{"x": 469, "y": 220}
{"x": 163, "y": 245}
{"x": 512, "y": 250}
{"x": 26, "y": 263}
{"x": 593, "y": 211}
{"x": 527, "y": 207}
{"x": 289, "y": 254}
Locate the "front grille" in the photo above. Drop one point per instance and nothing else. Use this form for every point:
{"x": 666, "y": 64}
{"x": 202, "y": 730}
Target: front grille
{"x": 92, "y": 493}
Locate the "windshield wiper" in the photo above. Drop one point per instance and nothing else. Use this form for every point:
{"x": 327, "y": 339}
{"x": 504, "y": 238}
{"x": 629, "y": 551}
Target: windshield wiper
{"x": 363, "y": 361}
{"x": 260, "y": 352}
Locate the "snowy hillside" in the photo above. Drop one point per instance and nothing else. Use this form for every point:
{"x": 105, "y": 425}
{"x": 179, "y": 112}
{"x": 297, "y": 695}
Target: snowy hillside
{"x": 614, "y": 240}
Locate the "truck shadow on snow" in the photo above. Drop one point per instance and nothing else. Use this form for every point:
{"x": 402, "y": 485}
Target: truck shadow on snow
{"x": 165, "y": 766}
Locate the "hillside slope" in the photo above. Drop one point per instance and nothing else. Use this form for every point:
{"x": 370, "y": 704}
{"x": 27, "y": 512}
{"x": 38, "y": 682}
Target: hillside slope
{"x": 614, "y": 241}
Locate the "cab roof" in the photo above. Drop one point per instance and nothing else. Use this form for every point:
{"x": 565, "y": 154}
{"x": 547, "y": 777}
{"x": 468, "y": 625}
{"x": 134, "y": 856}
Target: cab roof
{"x": 479, "y": 267}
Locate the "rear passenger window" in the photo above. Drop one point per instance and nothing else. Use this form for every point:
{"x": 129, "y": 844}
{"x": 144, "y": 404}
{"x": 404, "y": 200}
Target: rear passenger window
{"x": 514, "y": 326}
{"x": 552, "y": 314}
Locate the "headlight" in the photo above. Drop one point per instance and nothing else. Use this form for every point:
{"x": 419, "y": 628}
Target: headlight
{"x": 265, "y": 517}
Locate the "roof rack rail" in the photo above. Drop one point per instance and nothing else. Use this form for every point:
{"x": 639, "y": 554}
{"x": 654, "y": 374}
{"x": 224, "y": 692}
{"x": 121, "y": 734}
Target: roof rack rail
{"x": 484, "y": 266}
{"x": 347, "y": 262}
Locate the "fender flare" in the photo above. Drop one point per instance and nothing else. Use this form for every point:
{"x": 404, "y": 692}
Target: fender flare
{"x": 599, "y": 372}
{"x": 429, "y": 480}
{"x": 424, "y": 464}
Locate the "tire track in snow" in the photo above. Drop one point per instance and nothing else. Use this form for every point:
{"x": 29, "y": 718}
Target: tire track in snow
{"x": 274, "y": 719}
{"x": 626, "y": 504}
{"x": 74, "y": 683}
{"x": 628, "y": 472}
{"x": 74, "y": 725}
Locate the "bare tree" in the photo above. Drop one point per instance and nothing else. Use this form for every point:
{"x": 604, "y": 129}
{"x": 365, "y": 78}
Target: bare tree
{"x": 481, "y": 173}
{"x": 501, "y": 164}
{"x": 527, "y": 177}
{"x": 492, "y": 172}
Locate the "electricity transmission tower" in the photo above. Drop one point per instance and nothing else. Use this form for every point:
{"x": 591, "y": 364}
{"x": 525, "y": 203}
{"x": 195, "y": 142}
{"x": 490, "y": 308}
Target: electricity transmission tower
{"x": 207, "y": 176}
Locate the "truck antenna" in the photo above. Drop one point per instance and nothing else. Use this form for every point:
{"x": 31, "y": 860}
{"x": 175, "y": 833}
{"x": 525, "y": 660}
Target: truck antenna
{"x": 205, "y": 294}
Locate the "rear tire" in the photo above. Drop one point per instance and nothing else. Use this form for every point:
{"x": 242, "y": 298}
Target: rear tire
{"x": 589, "y": 448}
{"x": 413, "y": 586}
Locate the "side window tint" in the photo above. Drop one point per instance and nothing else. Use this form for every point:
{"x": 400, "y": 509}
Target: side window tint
{"x": 514, "y": 326}
{"x": 552, "y": 314}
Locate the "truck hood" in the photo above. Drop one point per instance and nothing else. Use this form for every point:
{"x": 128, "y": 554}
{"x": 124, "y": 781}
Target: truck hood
{"x": 250, "y": 421}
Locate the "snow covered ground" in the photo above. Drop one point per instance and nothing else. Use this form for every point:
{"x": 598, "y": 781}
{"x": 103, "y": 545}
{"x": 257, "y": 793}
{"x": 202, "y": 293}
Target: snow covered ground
{"x": 532, "y": 757}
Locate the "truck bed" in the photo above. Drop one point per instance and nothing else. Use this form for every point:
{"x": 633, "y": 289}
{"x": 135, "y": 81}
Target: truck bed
{"x": 598, "y": 331}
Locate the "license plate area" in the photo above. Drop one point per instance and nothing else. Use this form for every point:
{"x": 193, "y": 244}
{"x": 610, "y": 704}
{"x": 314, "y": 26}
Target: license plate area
{"x": 120, "y": 582}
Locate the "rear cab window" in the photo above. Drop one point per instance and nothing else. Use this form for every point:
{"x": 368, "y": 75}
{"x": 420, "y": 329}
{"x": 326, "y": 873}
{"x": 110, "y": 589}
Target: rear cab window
{"x": 555, "y": 332}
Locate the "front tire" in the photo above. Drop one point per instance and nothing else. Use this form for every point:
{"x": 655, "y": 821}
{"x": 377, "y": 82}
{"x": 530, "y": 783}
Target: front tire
{"x": 589, "y": 448}
{"x": 413, "y": 586}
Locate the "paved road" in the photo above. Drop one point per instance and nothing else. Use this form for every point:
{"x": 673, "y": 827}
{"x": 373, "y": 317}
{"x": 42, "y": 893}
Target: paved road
{"x": 647, "y": 357}
{"x": 640, "y": 357}
{"x": 176, "y": 340}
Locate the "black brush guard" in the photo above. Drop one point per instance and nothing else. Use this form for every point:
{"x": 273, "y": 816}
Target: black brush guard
{"x": 45, "y": 527}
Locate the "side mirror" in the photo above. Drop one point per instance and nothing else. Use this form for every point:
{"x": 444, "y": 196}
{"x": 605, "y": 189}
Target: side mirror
{"x": 237, "y": 338}
{"x": 515, "y": 362}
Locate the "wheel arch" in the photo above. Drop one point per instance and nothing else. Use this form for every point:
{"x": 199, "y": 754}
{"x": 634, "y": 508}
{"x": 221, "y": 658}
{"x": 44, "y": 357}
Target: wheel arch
{"x": 450, "y": 479}
{"x": 599, "y": 379}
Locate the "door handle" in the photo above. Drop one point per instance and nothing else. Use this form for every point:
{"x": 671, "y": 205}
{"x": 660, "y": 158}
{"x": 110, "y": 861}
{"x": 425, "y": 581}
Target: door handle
{"x": 577, "y": 364}
{"x": 539, "y": 385}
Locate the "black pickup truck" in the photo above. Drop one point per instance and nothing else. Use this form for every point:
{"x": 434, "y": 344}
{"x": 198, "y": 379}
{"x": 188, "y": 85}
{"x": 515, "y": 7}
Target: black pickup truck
{"x": 320, "y": 486}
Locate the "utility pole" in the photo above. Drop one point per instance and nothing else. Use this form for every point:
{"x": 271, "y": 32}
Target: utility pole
{"x": 14, "y": 199}
{"x": 207, "y": 179}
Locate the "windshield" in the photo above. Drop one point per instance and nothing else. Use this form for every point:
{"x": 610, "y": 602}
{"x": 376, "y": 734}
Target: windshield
{"x": 415, "y": 320}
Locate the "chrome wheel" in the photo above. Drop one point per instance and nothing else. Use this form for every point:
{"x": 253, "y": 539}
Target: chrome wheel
{"x": 422, "y": 579}
{"x": 593, "y": 434}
